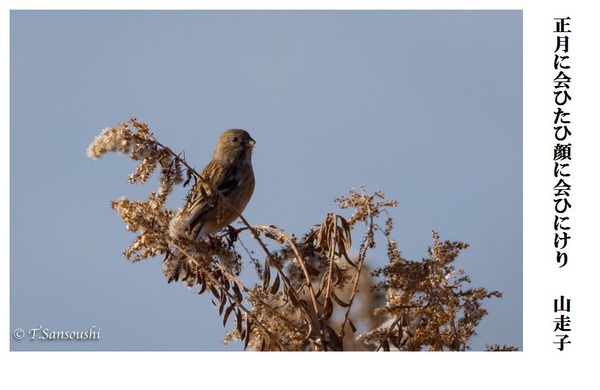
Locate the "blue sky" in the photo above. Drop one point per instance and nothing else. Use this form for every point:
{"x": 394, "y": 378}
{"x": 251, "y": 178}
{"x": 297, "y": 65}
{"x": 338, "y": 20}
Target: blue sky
{"x": 423, "y": 105}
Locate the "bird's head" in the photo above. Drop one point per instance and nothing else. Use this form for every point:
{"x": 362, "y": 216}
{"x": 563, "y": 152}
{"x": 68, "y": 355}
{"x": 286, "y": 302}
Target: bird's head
{"x": 234, "y": 144}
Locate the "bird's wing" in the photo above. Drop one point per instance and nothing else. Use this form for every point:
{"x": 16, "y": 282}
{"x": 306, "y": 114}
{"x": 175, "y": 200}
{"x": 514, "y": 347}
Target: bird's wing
{"x": 204, "y": 200}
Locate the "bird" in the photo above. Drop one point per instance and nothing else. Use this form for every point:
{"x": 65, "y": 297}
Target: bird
{"x": 230, "y": 172}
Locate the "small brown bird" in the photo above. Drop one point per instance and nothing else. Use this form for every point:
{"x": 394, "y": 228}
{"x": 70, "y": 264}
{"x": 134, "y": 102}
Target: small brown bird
{"x": 230, "y": 171}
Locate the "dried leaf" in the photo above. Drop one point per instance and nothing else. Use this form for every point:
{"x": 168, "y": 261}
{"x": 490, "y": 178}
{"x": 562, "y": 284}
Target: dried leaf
{"x": 349, "y": 261}
{"x": 404, "y": 320}
{"x": 238, "y": 321}
{"x": 222, "y": 303}
{"x": 385, "y": 345}
{"x": 266, "y": 276}
{"x": 201, "y": 282}
{"x": 403, "y": 343}
{"x": 327, "y": 309}
{"x": 238, "y": 293}
{"x": 248, "y": 332}
{"x": 332, "y": 339}
{"x": 293, "y": 297}
{"x": 338, "y": 300}
{"x": 320, "y": 290}
{"x": 202, "y": 287}
{"x": 275, "y": 286}
{"x": 263, "y": 344}
{"x": 215, "y": 292}
{"x": 175, "y": 274}
{"x": 225, "y": 282}
{"x": 395, "y": 344}
{"x": 346, "y": 232}
{"x": 203, "y": 192}
{"x": 352, "y": 327}
{"x": 338, "y": 276}
{"x": 227, "y": 313}
{"x": 189, "y": 176}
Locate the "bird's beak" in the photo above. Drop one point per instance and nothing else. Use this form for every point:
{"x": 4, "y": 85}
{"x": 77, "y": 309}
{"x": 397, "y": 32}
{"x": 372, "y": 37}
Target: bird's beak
{"x": 251, "y": 142}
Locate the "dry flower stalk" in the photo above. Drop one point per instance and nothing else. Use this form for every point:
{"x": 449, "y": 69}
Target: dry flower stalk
{"x": 311, "y": 293}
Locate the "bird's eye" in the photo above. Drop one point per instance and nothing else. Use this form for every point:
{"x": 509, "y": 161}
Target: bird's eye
{"x": 235, "y": 139}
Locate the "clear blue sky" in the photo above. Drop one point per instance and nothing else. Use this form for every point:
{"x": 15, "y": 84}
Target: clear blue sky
{"x": 425, "y": 106}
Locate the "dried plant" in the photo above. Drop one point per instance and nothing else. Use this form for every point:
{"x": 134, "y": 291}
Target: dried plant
{"x": 310, "y": 292}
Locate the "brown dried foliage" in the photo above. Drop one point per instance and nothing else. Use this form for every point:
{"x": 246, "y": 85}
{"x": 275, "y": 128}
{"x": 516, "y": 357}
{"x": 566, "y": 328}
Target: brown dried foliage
{"x": 310, "y": 294}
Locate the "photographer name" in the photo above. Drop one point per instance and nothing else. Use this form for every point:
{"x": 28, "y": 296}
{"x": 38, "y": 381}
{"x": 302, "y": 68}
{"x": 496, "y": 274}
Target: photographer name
{"x": 41, "y": 333}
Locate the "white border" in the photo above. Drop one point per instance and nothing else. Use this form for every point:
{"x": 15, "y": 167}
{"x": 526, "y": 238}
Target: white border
{"x": 539, "y": 362}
